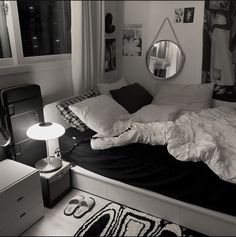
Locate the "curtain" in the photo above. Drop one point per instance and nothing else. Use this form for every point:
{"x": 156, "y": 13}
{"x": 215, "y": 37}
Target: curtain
{"x": 88, "y": 44}
{"x": 5, "y": 51}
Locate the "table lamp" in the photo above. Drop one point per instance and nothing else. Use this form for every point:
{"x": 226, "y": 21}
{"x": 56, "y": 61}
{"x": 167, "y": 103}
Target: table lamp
{"x": 46, "y": 131}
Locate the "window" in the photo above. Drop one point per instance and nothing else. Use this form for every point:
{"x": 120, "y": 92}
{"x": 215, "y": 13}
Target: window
{"x": 45, "y": 27}
{"x": 32, "y": 31}
{"x": 5, "y": 50}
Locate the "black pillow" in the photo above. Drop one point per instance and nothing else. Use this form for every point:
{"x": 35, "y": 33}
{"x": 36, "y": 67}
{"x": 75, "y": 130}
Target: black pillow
{"x": 132, "y": 97}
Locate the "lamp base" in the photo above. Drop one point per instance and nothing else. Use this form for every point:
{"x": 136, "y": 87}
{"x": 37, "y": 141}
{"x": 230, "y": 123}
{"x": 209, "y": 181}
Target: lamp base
{"x": 48, "y": 164}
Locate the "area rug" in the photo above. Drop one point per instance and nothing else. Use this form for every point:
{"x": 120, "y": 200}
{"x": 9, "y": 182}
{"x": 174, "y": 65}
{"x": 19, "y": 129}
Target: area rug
{"x": 118, "y": 220}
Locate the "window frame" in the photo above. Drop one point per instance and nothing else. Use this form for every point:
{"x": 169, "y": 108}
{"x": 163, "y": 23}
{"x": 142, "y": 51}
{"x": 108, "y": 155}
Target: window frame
{"x": 18, "y": 59}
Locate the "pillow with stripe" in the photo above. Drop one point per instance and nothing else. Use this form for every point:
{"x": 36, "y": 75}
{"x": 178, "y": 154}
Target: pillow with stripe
{"x": 67, "y": 113}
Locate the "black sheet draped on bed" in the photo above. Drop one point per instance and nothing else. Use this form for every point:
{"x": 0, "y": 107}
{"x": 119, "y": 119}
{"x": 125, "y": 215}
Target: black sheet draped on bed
{"x": 153, "y": 168}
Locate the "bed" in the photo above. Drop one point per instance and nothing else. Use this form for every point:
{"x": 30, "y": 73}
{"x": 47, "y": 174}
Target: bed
{"x": 152, "y": 168}
{"x": 161, "y": 187}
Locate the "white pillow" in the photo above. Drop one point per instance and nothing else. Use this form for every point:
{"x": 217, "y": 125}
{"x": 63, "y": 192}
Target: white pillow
{"x": 100, "y": 113}
{"x": 155, "y": 113}
{"x": 105, "y": 88}
{"x": 186, "y": 97}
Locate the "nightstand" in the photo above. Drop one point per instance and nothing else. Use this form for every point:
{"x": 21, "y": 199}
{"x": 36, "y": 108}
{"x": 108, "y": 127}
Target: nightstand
{"x": 56, "y": 184}
{"x": 21, "y": 202}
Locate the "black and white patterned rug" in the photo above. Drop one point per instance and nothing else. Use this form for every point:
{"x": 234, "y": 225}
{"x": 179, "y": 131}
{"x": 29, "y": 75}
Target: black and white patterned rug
{"x": 118, "y": 220}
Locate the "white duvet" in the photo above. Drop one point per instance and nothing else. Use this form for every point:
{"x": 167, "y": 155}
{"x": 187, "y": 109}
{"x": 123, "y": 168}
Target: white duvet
{"x": 209, "y": 136}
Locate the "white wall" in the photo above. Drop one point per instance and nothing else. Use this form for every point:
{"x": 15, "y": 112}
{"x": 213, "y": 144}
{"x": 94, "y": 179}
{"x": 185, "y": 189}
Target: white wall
{"x": 151, "y": 14}
{"x": 56, "y": 83}
{"x": 54, "y": 80}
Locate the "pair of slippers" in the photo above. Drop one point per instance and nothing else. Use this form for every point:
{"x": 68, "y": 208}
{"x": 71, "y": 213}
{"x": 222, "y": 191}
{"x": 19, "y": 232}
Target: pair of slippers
{"x": 79, "y": 206}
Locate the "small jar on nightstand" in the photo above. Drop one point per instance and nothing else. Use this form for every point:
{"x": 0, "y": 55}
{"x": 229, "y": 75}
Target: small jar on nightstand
{"x": 56, "y": 184}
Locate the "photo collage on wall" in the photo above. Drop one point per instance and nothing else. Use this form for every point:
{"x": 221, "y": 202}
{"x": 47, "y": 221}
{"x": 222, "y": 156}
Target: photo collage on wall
{"x": 219, "y": 51}
{"x": 132, "y": 40}
{"x": 184, "y": 15}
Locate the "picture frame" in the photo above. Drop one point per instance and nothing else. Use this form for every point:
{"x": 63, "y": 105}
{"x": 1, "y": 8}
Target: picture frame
{"x": 132, "y": 40}
{"x": 110, "y": 55}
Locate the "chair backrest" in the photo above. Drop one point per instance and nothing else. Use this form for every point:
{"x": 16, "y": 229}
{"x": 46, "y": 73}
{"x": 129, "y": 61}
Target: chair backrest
{"x": 52, "y": 114}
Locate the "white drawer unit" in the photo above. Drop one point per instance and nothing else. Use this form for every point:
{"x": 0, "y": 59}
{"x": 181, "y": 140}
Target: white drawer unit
{"x": 21, "y": 202}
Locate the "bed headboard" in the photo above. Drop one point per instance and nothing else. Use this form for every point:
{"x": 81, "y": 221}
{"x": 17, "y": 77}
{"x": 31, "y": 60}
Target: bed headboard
{"x": 52, "y": 114}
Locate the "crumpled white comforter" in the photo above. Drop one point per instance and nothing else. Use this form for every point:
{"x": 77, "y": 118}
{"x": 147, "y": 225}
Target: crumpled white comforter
{"x": 208, "y": 136}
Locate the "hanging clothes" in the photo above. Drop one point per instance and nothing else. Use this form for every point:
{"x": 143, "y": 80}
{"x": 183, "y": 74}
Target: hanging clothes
{"x": 221, "y": 58}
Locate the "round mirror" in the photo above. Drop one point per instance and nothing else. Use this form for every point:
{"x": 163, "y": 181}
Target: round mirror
{"x": 4, "y": 137}
{"x": 164, "y": 59}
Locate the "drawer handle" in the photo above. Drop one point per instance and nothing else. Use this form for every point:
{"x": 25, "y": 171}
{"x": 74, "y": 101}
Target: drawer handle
{"x": 23, "y": 214}
{"x": 60, "y": 175}
{"x": 19, "y": 199}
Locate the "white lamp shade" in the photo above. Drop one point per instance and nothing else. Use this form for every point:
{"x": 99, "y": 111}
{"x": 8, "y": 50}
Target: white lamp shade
{"x": 45, "y": 131}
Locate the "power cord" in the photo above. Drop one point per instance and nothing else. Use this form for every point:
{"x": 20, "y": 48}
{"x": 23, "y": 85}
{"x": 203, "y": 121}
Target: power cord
{"x": 58, "y": 152}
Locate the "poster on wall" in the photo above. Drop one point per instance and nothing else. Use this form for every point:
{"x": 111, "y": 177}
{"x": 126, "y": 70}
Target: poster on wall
{"x": 179, "y": 15}
{"x": 219, "y": 51}
{"x": 132, "y": 40}
{"x": 110, "y": 55}
{"x": 184, "y": 15}
{"x": 189, "y": 14}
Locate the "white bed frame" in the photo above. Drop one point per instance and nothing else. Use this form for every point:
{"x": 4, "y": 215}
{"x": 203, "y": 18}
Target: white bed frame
{"x": 191, "y": 216}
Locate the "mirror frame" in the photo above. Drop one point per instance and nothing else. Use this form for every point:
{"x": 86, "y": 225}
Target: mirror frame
{"x": 181, "y": 67}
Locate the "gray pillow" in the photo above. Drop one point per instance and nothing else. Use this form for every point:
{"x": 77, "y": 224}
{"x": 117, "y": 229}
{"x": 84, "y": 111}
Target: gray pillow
{"x": 186, "y": 97}
{"x": 155, "y": 113}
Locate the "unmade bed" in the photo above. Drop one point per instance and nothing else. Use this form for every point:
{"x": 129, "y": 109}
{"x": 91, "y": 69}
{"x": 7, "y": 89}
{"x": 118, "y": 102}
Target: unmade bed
{"x": 148, "y": 178}
{"x": 153, "y": 168}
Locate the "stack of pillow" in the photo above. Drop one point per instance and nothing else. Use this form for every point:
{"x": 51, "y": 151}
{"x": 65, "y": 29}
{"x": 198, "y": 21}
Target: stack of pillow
{"x": 71, "y": 117}
{"x": 110, "y": 112}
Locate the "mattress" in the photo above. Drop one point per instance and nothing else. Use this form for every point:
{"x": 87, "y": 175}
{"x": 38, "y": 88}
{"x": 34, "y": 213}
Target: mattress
{"x": 152, "y": 168}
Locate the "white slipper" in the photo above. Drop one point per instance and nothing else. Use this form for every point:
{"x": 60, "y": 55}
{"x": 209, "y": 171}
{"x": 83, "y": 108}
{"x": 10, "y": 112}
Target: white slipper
{"x": 73, "y": 204}
{"x": 86, "y": 205}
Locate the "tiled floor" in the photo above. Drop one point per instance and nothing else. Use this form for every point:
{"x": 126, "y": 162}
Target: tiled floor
{"x": 55, "y": 223}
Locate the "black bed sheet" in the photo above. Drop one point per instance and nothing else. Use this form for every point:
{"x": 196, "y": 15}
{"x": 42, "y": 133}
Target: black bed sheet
{"x": 153, "y": 168}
